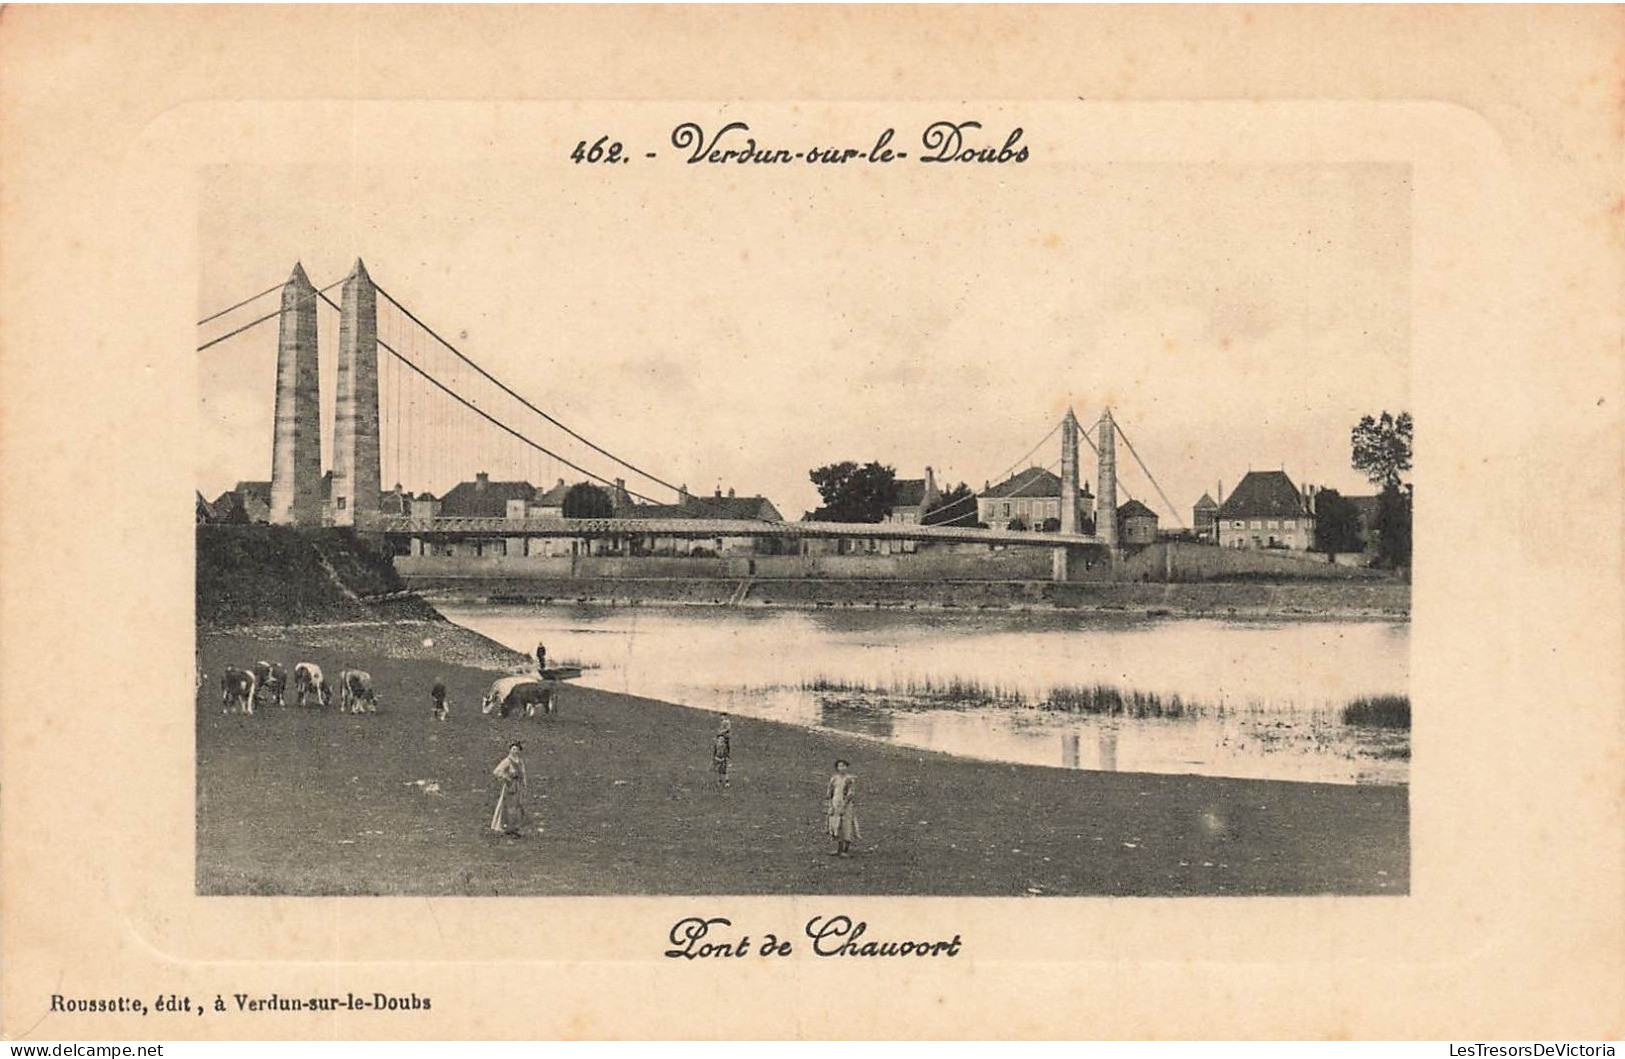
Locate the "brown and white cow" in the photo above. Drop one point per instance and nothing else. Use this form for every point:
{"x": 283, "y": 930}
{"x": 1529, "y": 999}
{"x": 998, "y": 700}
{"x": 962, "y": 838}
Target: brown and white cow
{"x": 308, "y": 682}
{"x": 272, "y": 680}
{"x": 355, "y": 692}
{"x": 237, "y": 688}
{"x": 519, "y": 692}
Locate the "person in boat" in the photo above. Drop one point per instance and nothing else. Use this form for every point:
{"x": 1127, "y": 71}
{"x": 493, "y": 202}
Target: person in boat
{"x": 841, "y": 810}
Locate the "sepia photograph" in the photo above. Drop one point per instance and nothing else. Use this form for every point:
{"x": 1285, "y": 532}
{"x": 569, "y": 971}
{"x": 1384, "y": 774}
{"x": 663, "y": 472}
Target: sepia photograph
{"x": 559, "y": 534}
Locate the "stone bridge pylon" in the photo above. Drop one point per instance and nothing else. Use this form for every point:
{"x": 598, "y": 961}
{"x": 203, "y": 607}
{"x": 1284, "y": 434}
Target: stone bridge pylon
{"x": 296, "y": 452}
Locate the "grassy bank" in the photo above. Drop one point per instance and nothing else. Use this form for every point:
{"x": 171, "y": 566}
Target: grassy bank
{"x": 310, "y": 802}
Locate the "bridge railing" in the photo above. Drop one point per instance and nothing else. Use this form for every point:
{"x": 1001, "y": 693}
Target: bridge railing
{"x": 697, "y": 528}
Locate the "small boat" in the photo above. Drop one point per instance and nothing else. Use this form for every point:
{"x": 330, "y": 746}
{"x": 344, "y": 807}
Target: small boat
{"x": 561, "y": 672}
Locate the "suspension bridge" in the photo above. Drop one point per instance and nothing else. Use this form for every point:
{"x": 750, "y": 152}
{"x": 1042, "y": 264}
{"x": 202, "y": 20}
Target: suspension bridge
{"x": 424, "y": 410}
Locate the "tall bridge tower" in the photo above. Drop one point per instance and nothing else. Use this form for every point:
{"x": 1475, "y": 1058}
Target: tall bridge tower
{"x": 356, "y": 473}
{"x": 296, "y": 446}
{"x": 1106, "y": 493}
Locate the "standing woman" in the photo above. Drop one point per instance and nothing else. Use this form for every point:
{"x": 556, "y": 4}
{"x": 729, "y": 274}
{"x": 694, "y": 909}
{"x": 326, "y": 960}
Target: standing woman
{"x": 541, "y": 660}
{"x": 510, "y": 812}
{"x": 842, "y": 810}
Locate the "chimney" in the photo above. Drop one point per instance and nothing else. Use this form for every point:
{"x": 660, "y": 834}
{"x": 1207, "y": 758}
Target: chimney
{"x": 719, "y": 491}
{"x": 682, "y": 494}
{"x": 481, "y": 480}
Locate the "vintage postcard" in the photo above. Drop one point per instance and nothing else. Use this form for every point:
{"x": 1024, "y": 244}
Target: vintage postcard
{"x": 987, "y": 521}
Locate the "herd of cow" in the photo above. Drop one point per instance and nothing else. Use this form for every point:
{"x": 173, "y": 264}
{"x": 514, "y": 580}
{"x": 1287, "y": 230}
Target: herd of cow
{"x": 267, "y": 683}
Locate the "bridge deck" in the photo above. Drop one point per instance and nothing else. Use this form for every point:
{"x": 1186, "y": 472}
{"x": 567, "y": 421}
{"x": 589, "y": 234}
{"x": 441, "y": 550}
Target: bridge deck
{"x": 697, "y": 528}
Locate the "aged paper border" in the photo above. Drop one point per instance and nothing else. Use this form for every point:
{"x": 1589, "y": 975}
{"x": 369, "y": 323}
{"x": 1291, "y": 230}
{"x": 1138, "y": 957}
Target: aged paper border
{"x": 1514, "y": 924}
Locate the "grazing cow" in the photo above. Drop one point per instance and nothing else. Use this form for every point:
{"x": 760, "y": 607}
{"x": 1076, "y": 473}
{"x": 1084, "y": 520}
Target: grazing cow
{"x": 237, "y": 688}
{"x": 512, "y": 693}
{"x": 355, "y": 692}
{"x": 272, "y": 680}
{"x": 308, "y": 682}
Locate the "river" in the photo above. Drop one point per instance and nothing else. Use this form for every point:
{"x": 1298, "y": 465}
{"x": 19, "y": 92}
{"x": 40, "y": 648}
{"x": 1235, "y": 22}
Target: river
{"x": 1247, "y": 698}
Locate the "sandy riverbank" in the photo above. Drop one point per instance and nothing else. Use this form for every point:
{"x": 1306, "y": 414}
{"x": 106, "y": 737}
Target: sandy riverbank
{"x": 297, "y": 801}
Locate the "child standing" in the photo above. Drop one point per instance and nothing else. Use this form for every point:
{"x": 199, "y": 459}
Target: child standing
{"x": 442, "y": 708}
{"x": 721, "y": 750}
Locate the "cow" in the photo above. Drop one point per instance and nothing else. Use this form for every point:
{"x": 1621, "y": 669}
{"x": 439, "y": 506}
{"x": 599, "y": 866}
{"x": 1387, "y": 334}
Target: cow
{"x": 355, "y": 692}
{"x": 308, "y": 682}
{"x": 237, "y": 688}
{"x": 511, "y": 693}
{"x": 272, "y": 680}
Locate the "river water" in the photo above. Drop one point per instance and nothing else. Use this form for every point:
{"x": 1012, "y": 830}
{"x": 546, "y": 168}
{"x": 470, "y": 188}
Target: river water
{"x": 1256, "y": 698}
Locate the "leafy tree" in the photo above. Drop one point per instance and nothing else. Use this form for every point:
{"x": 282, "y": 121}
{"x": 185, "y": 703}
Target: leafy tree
{"x": 1017, "y": 523}
{"x": 852, "y": 493}
{"x": 585, "y": 500}
{"x": 1382, "y": 451}
{"x": 1394, "y": 527}
{"x": 1382, "y": 448}
{"x": 1050, "y": 525}
{"x": 956, "y": 508}
{"x": 1337, "y": 524}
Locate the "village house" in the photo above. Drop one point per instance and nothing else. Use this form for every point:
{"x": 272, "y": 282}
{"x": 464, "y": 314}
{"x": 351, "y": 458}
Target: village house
{"x": 1031, "y": 500}
{"x": 688, "y": 506}
{"x": 1203, "y": 517}
{"x": 1136, "y": 524}
{"x": 911, "y": 500}
{"x": 1266, "y": 511}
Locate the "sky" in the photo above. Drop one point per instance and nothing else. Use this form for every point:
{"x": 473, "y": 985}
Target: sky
{"x": 735, "y": 327}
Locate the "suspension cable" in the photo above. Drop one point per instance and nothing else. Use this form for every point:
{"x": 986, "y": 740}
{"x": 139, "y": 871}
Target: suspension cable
{"x": 271, "y": 316}
{"x": 510, "y": 392}
{"x": 239, "y": 305}
{"x": 1171, "y": 509}
{"x": 466, "y": 403}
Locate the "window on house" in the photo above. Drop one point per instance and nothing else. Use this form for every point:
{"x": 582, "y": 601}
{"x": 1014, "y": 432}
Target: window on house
{"x": 339, "y": 503}
{"x": 1256, "y": 525}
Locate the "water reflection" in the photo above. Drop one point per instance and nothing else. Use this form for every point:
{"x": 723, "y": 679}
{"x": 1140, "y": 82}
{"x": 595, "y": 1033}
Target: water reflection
{"x": 1266, "y": 695}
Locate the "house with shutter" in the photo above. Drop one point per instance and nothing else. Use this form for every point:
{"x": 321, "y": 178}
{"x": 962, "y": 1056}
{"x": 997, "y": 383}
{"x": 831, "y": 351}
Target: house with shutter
{"x": 1030, "y": 499}
{"x": 1266, "y": 511}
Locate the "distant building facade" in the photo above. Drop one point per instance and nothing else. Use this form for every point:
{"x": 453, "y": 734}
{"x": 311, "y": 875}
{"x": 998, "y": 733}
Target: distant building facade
{"x": 1029, "y": 499}
{"x": 1136, "y": 524}
{"x": 1203, "y": 517}
{"x": 1266, "y": 511}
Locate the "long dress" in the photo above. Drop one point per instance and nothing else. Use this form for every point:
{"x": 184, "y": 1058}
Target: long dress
{"x": 843, "y": 807}
{"x": 510, "y": 814}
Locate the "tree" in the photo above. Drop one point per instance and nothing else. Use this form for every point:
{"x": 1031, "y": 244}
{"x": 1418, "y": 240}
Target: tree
{"x": 1394, "y": 527}
{"x": 852, "y": 493}
{"x": 956, "y": 508}
{"x": 1337, "y": 524}
{"x": 585, "y": 500}
{"x": 1017, "y": 524}
{"x": 1382, "y": 448}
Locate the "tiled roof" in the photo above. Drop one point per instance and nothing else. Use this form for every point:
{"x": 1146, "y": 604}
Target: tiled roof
{"x": 742, "y": 507}
{"x": 1263, "y": 493}
{"x": 553, "y": 497}
{"x": 1206, "y": 504}
{"x": 473, "y": 500}
{"x": 1033, "y": 482}
{"x": 1135, "y": 509}
{"x": 908, "y": 492}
